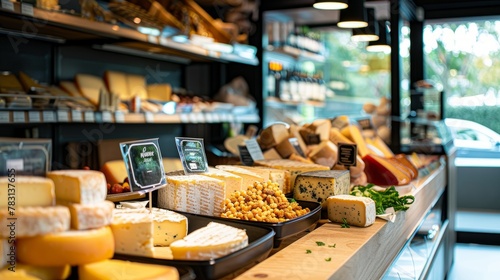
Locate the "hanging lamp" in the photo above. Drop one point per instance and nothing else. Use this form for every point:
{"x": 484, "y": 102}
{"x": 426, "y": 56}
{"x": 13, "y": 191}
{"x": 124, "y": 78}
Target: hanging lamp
{"x": 330, "y": 5}
{"x": 354, "y": 16}
{"x": 383, "y": 44}
{"x": 369, "y": 33}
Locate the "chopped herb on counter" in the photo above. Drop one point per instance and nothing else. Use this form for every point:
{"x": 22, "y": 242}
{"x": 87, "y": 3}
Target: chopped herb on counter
{"x": 384, "y": 199}
{"x": 308, "y": 251}
{"x": 319, "y": 243}
{"x": 332, "y": 246}
{"x": 291, "y": 200}
{"x": 328, "y": 259}
{"x": 344, "y": 223}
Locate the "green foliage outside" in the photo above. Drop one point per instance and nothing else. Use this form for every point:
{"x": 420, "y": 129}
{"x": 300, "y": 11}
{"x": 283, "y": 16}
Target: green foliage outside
{"x": 488, "y": 116}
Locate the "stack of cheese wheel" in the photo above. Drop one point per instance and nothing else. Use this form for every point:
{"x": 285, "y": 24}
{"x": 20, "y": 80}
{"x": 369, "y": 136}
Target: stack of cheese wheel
{"x": 62, "y": 221}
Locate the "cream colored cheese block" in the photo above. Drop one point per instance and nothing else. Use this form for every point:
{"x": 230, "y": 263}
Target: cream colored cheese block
{"x": 326, "y": 153}
{"x": 249, "y": 177}
{"x": 28, "y": 191}
{"x": 196, "y": 194}
{"x": 89, "y": 216}
{"x": 117, "y": 84}
{"x": 168, "y": 226}
{"x": 163, "y": 253}
{"x": 272, "y": 135}
{"x": 233, "y": 181}
{"x": 137, "y": 86}
{"x": 31, "y": 221}
{"x": 74, "y": 247}
{"x": 281, "y": 177}
{"x": 271, "y": 154}
{"x": 126, "y": 270}
{"x": 317, "y": 186}
{"x": 357, "y": 211}
{"x": 133, "y": 232}
{"x": 45, "y": 272}
{"x": 210, "y": 242}
{"x": 79, "y": 186}
{"x": 90, "y": 86}
{"x": 294, "y": 167}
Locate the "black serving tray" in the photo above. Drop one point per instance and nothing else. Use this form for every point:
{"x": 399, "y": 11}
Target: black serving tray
{"x": 285, "y": 229}
{"x": 260, "y": 244}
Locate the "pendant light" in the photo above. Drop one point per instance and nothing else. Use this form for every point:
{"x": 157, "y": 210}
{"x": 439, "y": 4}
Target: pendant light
{"x": 354, "y": 16}
{"x": 369, "y": 33}
{"x": 330, "y": 5}
{"x": 383, "y": 44}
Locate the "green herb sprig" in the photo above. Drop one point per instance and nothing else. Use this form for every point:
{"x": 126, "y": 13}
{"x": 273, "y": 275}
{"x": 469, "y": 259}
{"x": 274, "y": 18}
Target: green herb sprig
{"x": 384, "y": 199}
{"x": 344, "y": 223}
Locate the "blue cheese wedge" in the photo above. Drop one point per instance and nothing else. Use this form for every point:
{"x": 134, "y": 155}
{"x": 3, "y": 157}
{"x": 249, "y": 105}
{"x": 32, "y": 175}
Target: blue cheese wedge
{"x": 317, "y": 186}
{"x": 357, "y": 211}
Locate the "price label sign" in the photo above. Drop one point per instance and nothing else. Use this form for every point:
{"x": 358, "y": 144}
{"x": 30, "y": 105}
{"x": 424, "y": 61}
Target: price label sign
{"x": 365, "y": 124}
{"x": 19, "y": 116}
{"x": 4, "y": 116}
{"x": 27, "y": 9}
{"x": 89, "y": 116}
{"x": 49, "y": 116}
{"x": 63, "y": 116}
{"x": 34, "y": 116}
{"x": 107, "y": 117}
{"x": 119, "y": 117}
{"x": 245, "y": 156}
{"x": 144, "y": 164}
{"x": 254, "y": 149}
{"x": 9, "y": 6}
{"x": 192, "y": 154}
{"x": 313, "y": 139}
{"x": 347, "y": 154}
{"x": 296, "y": 146}
{"x": 76, "y": 116}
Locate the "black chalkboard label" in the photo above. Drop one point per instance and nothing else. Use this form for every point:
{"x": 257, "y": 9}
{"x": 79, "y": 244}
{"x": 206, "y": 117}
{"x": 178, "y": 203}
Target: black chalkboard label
{"x": 347, "y": 154}
{"x": 245, "y": 156}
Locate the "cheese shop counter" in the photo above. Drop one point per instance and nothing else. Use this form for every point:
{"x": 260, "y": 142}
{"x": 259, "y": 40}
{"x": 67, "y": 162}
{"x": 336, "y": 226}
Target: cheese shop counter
{"x": 334, "y": 252}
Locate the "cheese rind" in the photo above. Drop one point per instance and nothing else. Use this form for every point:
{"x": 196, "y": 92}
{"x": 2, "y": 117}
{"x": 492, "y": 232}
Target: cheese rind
{"x": 31, "y": 221}
{"x": 90, "y": 216}
{"x": 357, "y": 211}
{"x": 195, "y": 194}
{"x": 212, "y": 241}
{"x": 75, "y": 247}
{"x": 79, "y": 186}
{"x": 248, "y": 176}
{"x": 318, "y": 186}
{"x": 45, "y": 272}
{"x": 233, "y": 181}
{"x": 28, "y": 190}
{"x": 126, "y": 270}
{"x": 281, "y": 177}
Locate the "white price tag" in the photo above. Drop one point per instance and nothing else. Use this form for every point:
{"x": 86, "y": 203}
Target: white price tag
{"x": 76, "y": 116}
{"x": 27, "y": 9}
{"x": 119, "y": 117}
{"x": 89, "y": 116}
{"x": 7, "y": 5}
{"x": 4, "y": 117}
{"x": 200, "y": 117}
{"x": 107, "y": 117}
{"x": 15, "y": 163}
{"x": 216, "y": 118}
{"x": 192, "y": 118}
{"x": 254, "y": 149}
{"x": 62, "y": 116}
{"x": 209, "y": 117}
{"x": 34, "y": 116}
{"x": 48, "y": 116}
{"x": 19, "y": 116}
{"x": 150, "y": 118}
{"x": 185, "y": 118}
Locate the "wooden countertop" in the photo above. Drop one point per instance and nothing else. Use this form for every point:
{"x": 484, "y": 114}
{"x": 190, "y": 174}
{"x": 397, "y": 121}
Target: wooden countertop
{"x": 358, "y": 253}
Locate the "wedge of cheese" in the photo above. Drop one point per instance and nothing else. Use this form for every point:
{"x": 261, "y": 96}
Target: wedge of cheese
{"x": 79, "y": 186}
{"x": 326, "y": 153}
{"x": 210, "y": 242}
{"x": 384, "y": 172}
{"x": 160, "y": 92}
{"x": 195, "y": 194}
{"x": 133, "y": 232}
{"x": 322, "y": 128}
{"x": 248, "y": 176}
{"x": 137, "y": 86}
{"x": 126, "y": 270}
{"x": 117, "y": 84}
{"x": 353, "y": 133}
{"x": 285, "y": 148}
{"x": 74, "y": 247}
{"x": 336, "y": 137}
{"x": 271, "y": 154}
{"x": 294, "y": 167}
{"x": 89, "y": 216}
{"x": 168, "y": 226}
{"x": 233, "y": 181}
{"x": 281, "y": 177}
{"x": 272, "y": 136}
{"x": 28, "y": 191}
{"x": 357, "y": 211}
{"x": 90, "y": 87}
{"x": 32, "y": 221}
{"x": 317, "y": 186}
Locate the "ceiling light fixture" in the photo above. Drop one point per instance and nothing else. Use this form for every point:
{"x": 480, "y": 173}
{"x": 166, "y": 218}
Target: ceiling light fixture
{"x": 383, "y": 44}
{"x": 354, "y": 16}
{"x": 330, "y": 5}
{"x": 369, "y": 33}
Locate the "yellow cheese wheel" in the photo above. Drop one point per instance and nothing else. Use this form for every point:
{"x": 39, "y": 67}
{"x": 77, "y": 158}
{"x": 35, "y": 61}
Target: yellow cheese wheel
{"x": 125, "y": 270}
{"x": 6, "y": 274}
{"x": 70, "y": 247}
{"x": 45, "y": 272}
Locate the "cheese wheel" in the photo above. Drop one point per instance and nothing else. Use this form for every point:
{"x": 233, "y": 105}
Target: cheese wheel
{"x": 16, "y": 275}
{"x": 45, "y": 272}
{"x": 70, "y": 247}
{"x": 125, "y": 270}
{"x": 33, "y": 221}
{"x": 90, "y": 216}
{"x": 79, "y": 186}
{"x": 29, "y": 191}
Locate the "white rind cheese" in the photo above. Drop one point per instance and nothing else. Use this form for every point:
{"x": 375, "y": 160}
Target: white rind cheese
{"x": 79, "y": 186}
{"x": 32, "y": 221}
{"x": 195, "y": 194}
{"x": 317, "y": 186}
{"x": 357, "y": 211}
{"x": 213, "y": 241}
{"x": 90, "y": 216}
{"x": 133, "y": 232}
{"x": 28, "y": 191}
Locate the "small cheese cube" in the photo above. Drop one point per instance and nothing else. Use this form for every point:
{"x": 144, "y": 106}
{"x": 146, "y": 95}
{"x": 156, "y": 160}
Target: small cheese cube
{"x": 317, "y": 186}
{"x": 356, "y": 210}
